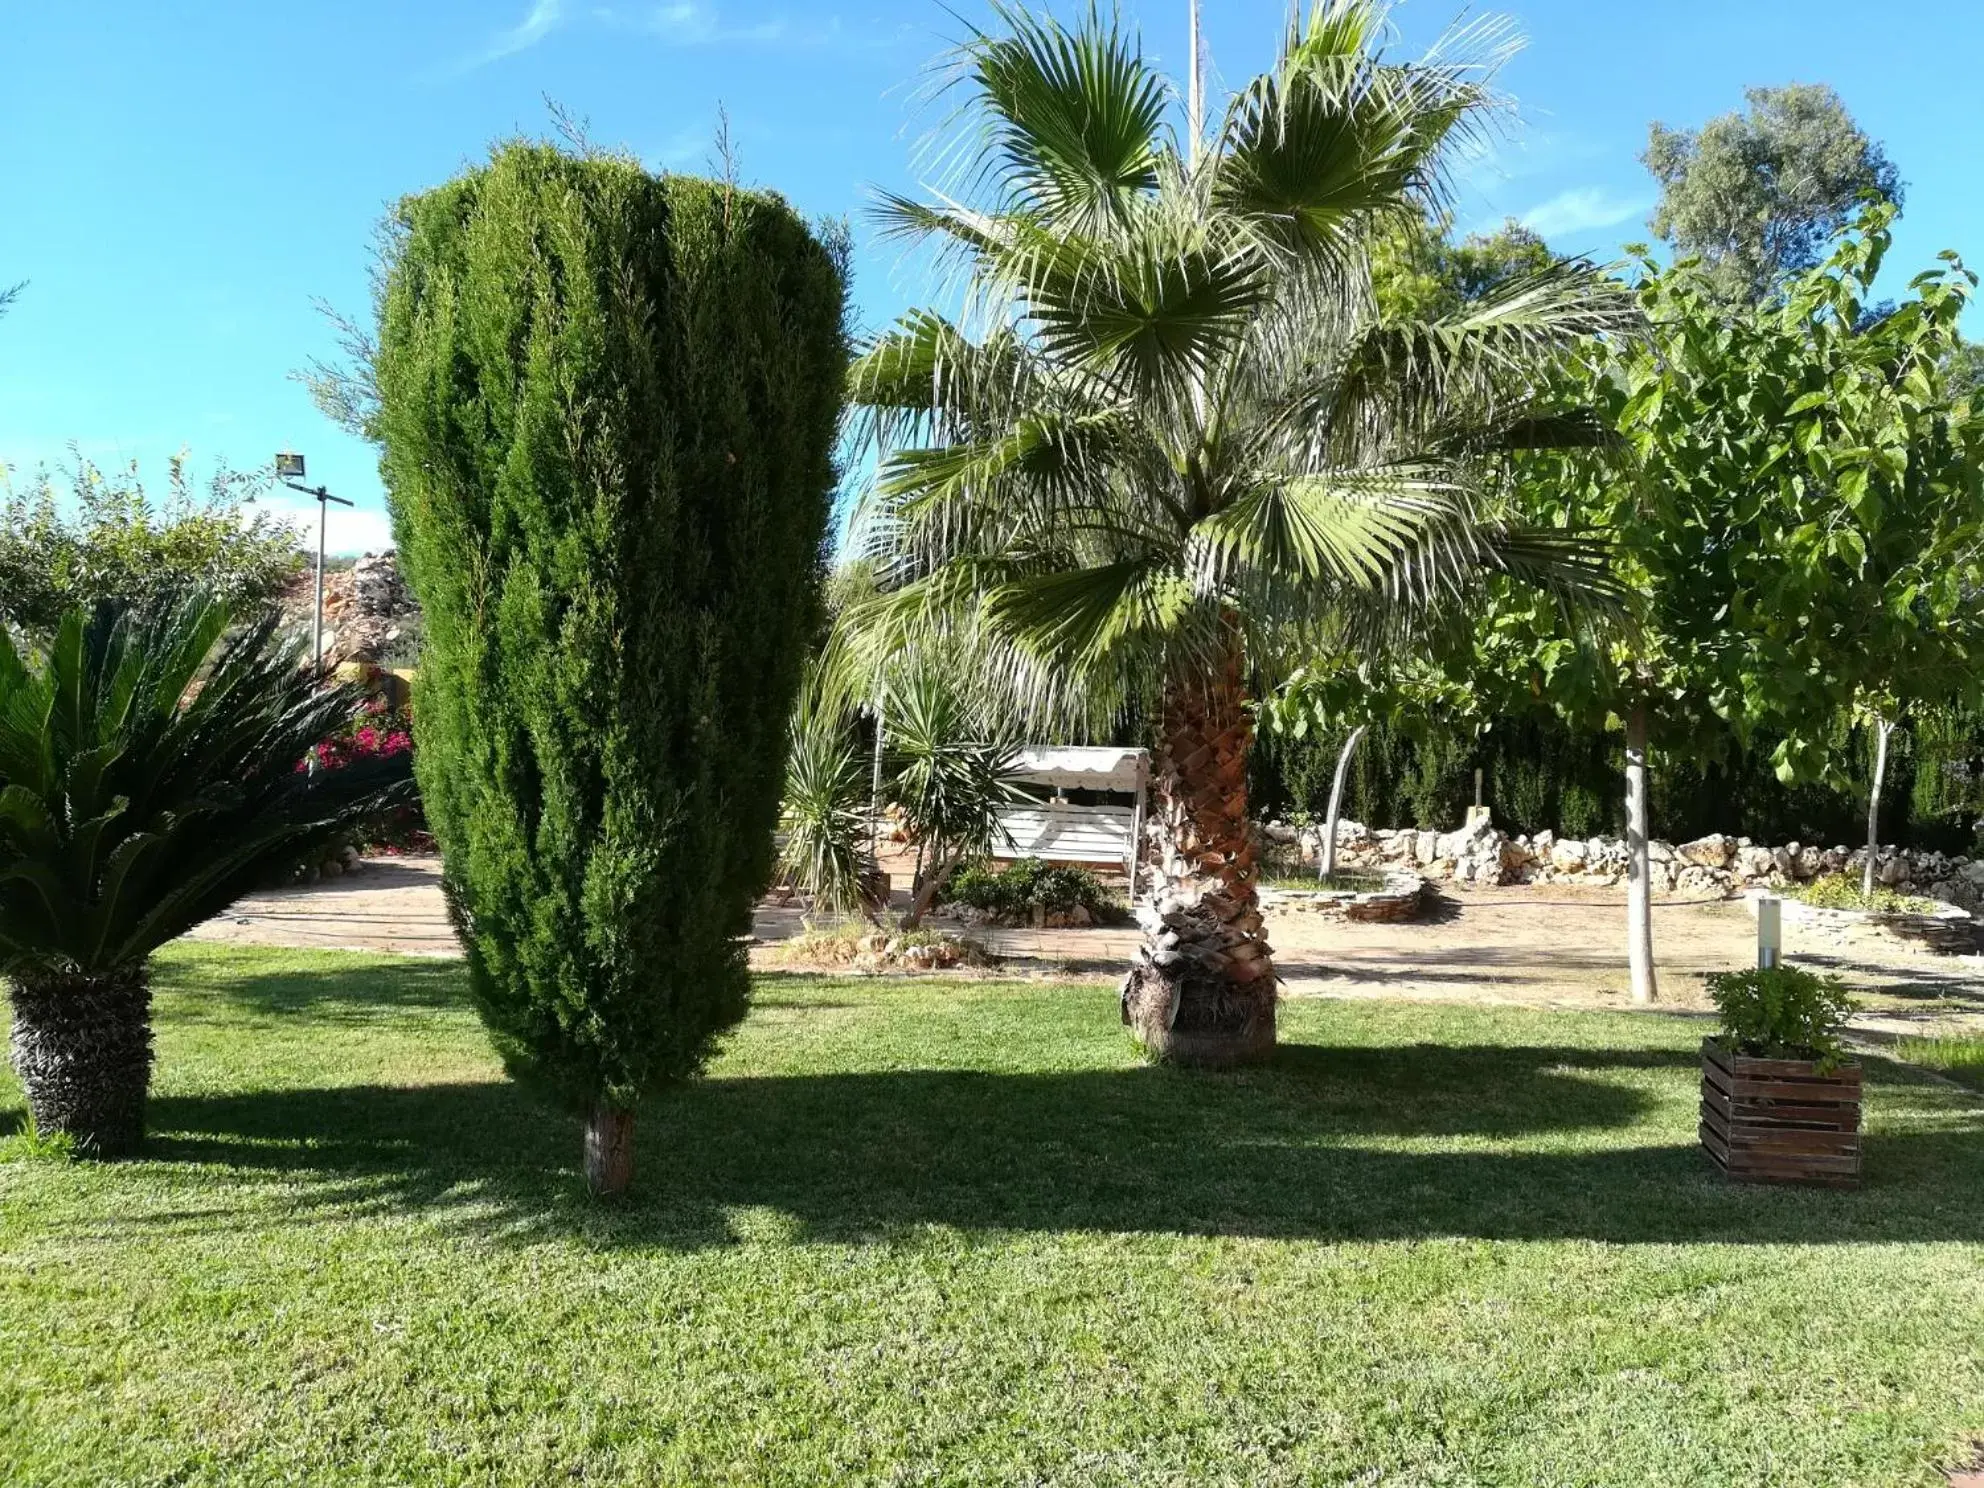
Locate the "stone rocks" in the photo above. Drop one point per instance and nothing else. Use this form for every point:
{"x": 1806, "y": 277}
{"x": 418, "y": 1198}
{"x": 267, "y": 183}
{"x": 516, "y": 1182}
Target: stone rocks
{"x": 367, "y": 608}
{"x": 1568, "y": 857}
{"x": 1712, "y": 851}
{"x": 1755, "y": 863}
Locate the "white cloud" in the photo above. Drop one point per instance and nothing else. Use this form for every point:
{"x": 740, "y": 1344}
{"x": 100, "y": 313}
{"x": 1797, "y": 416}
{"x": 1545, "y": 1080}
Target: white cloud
{"x": 350, "y": 529}
{"x": 694, "y": 24}
{"x": 544, "y": 18}
{"x": 1583, "y": 209}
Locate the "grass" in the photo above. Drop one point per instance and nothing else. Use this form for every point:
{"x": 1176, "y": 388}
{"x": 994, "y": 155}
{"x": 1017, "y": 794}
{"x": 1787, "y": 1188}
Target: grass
{"x": 931, "y": 1231}
{"x": 1957, "y": 1055}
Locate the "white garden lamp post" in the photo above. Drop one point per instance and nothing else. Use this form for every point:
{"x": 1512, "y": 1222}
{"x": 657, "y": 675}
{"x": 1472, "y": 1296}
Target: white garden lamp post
{"x": 289, "y": 470}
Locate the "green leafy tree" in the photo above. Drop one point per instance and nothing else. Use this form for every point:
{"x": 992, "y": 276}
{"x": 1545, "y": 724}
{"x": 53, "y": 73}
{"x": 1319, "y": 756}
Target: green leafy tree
{"x": 608, "y": 404}
{"x": 1758, "y": 195}
{"x": 150, "y": 773}
{"x": 1349, "y": 696}
{"x": 1173, "y": 441}
{"x": 1804, "y": 530}
{"x": 111, "y": 540}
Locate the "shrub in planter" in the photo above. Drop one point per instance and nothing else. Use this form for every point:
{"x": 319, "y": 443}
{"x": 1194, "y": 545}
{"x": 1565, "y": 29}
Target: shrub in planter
{"x": 1782, "y": 1012}
{"x": 1780, "y": 1104}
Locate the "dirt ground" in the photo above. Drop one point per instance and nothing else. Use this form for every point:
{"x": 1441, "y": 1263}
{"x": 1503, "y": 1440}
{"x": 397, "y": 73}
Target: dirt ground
{"x": 1547, "y": 946}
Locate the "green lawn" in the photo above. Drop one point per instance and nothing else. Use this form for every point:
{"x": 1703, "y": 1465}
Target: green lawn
{"x": 917, "y": 1231}
{"x": 1956, "y": 1056}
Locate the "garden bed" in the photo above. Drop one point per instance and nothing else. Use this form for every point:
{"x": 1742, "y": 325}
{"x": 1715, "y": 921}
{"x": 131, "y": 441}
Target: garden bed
{"x": 1397, "y": 897}
{"x": 871, "y": 952}
{"x": 1948, "y": 928}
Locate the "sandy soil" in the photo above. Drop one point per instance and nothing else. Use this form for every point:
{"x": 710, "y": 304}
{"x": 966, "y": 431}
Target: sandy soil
{"x": 1545, "y": 946}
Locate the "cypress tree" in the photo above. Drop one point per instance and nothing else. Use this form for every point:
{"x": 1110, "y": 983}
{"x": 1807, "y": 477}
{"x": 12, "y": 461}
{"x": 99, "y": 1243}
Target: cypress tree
{"x": 608, "y": 404}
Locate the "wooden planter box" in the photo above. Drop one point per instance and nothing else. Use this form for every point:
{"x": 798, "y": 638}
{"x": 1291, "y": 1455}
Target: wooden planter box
{"x": 1778, "y": 1121}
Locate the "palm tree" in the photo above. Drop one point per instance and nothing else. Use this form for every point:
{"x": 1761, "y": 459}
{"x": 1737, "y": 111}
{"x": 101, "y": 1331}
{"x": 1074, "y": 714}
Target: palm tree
{"x": 1170, "y": 442}
{"x": 150, "y": 773}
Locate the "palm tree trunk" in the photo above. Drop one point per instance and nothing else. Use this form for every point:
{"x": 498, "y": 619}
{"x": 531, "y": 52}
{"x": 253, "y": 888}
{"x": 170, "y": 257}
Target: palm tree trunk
{"x": 1202, "y": 989}
{"x": 83, "y": 1050}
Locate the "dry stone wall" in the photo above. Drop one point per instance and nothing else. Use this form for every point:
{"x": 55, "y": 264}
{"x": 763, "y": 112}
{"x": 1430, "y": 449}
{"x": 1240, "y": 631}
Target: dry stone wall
{"x": 1481, "y": 853}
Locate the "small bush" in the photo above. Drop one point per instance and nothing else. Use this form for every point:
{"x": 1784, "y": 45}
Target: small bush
{"x": 1026, "y": 885}
{"x": 1782, "y": 1012}
{"x": 1842, "y": 891}
{"x": 1343, "y": 881}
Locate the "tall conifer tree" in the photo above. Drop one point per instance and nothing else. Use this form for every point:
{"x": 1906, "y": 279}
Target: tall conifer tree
{"x": 608, "y": 403}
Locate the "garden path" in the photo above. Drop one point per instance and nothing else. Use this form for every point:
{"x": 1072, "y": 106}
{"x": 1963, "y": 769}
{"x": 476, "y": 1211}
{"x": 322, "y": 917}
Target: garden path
{"x": 1548, "y": 946}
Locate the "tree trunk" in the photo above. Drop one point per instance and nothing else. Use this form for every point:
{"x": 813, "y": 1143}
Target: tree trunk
{"x": 1874, "y": 809}
{"x": 609, "y": 1150}
{"x": 83, "y": 1050}
{"x": 1327, "y": 867}
{"x": 928, "y": 886}
{"x": 1202, "y": 988}
{"x": 1639, "y": 866}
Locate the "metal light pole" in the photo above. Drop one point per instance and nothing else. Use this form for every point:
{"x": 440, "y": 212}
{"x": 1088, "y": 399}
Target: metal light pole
{"x": 289, "y": 470}
{"x": 1195, "y": 88}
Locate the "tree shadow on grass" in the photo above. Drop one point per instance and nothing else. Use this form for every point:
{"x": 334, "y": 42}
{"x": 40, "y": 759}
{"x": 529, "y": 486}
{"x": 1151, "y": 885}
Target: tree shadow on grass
{"x": 1326, "y": 1143}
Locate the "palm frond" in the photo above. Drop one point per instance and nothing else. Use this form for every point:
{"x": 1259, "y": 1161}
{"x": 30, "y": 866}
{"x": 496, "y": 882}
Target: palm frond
{"x": 1336, "y": 527}
{"x": 1076, "y": 118}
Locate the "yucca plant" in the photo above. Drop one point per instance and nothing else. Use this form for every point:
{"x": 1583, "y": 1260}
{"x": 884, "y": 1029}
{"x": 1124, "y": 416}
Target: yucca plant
{"x": 946, "y": 779}
{"x": 150, "y": 773}
{"x": 945, "y": 773}
{"x": 1171, "y": 441}
{"x": 823, "y": 820}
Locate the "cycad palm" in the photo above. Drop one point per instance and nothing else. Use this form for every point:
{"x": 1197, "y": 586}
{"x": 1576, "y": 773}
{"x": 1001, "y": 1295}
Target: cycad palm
{"x": 149, "y": 775}
{"x": 1171, "y": 441}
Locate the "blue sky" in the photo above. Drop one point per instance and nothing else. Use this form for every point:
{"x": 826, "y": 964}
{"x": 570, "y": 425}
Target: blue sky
{"x": 181, "y": 180}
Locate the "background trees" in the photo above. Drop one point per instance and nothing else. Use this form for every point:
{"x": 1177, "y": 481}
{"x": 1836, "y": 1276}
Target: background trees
{"x": 1804, "y": 528}
{"x": 1758, "y": 195}
{"x": 110, "y": 540}
{"x": 150, "y": 773}
{"x": 607, "y": 404}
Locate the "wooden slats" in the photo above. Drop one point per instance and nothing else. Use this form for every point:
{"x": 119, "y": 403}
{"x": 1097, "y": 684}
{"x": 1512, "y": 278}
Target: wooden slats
{"x": 1777, "y": 1121}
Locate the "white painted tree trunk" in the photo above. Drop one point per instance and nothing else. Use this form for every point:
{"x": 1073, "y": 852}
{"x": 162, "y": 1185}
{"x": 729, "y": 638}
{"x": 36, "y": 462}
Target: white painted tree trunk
{"x": 1874, "y": 808}
{"x": 1639, "y": 865}
{"x": 1326, "y": 862}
